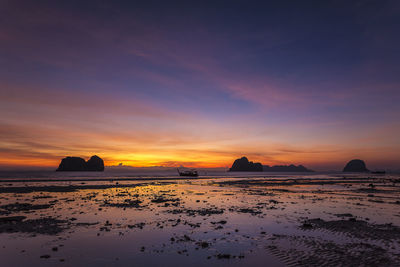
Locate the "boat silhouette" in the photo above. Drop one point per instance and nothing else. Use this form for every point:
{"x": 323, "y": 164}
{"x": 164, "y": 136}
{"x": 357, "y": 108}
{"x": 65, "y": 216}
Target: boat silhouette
{"x": 191, "y": 173}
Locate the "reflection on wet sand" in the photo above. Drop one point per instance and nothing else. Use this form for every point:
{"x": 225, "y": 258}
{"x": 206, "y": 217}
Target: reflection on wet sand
{"x": 241, "y": 221}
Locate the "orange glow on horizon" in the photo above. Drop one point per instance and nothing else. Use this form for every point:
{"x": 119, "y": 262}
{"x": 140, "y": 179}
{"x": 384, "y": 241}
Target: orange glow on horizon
{"x": 200, "y": 159}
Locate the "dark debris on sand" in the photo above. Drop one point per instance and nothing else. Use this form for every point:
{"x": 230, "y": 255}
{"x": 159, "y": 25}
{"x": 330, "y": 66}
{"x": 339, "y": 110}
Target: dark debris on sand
{"x": 68, "y": 188}
{"x": 47, "y": 226}
{"x": 18, "y": 207}
{"x": 252, "y": 211}
{"x": 163, "y": 200}
{"x": 127, "y": 203}
{"x": 201, "y": 212}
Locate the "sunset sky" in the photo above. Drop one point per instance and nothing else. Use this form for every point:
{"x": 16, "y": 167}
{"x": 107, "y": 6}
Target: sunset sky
{"x": 200, "y": 83}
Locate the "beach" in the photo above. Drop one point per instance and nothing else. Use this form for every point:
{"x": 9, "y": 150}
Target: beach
{"x": 237, "y": 220}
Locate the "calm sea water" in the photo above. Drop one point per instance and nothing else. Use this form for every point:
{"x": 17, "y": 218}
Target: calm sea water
{"x": 165, "y": 174}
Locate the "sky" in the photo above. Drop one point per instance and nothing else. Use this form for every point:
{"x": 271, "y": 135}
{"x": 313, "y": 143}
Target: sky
{"x": 200, "y": 83}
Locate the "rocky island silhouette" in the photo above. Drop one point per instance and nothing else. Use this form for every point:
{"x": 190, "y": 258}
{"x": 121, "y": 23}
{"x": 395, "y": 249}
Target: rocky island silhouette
{"x": 244, "y": 165}
{"x": 95, "y": 163}
{"x": 355, "y": 165}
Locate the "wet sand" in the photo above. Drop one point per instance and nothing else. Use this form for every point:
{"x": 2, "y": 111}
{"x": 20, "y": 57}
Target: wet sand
{"x": 337, "y": 221}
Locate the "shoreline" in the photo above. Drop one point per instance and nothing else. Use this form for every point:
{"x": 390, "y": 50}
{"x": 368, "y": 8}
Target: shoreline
{"x": 228, "y": 181}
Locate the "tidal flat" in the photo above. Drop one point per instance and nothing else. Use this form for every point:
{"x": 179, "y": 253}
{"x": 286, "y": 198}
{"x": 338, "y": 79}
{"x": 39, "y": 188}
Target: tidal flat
{"x": 257, "y": 221}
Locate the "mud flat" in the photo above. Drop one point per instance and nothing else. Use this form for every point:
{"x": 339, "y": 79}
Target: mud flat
{"x": 340, "y": 221}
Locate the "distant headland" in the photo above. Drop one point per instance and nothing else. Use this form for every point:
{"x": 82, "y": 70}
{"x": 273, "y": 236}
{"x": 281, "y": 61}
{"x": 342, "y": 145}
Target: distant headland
{"x": 244, "y": 165}
{"x": 77, "y": 164}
